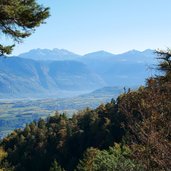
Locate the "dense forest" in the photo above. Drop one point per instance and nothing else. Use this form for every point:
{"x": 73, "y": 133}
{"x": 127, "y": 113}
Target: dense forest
{"x": 131, "y": 133}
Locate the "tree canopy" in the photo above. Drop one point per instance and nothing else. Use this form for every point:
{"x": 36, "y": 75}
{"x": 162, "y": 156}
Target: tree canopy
{"x": 165, "y": 62}
{"x": 18, "y": 20}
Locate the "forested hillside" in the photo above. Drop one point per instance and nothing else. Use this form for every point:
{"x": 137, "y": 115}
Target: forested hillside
{"x": 132, "y": 133}
{"x": 16, "y": 113}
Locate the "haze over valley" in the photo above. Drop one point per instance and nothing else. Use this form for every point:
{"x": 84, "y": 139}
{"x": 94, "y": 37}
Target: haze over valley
{"x": 42, "y": 73}
{"x": 37, "y": 83}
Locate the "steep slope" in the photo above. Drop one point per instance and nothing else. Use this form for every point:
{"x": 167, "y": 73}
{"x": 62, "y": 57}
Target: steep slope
{"x": 24, "y": 78}
{"x": 72, "y": 75}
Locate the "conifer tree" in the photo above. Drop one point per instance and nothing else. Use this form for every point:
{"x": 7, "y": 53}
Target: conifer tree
{"x": 165, "y": 63}
{"x": 56, "y": 167}
{"x": 18, "y": 20}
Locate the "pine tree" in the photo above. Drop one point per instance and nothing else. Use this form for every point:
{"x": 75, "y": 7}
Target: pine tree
{"x": 56, "y": 167}
{"x": 165, "y": 64}
{"x": 18, "y": 20}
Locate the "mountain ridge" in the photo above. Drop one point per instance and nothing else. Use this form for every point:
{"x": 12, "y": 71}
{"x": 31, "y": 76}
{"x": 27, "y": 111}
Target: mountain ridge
{"x": 24, "y": 77}
{"x": 56, "y": 54}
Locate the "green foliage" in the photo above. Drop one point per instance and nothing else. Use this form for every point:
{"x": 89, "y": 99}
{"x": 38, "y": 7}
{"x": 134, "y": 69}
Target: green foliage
{"x": 56, "y": 167}
{"x": 62, "y": 138}
{"x": 165, "y": 57}
{"x": 3, "y": 154}
{"x": 4, "y": 165}
{"x": 18, "y": 20}
{"x": 87, "y": 163}
{"x": 6, "y": 49}
{"x": 117, "y": 158}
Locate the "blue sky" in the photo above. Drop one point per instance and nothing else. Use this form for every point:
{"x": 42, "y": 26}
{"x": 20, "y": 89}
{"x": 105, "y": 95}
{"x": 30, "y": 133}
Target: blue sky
{"x": 116, "y": 26}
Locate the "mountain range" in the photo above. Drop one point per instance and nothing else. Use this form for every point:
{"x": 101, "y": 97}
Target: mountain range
{"x": 58, "y": 72}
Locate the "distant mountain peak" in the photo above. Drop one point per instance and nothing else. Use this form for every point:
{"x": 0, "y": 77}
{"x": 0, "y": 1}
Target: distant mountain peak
{"x": 148, "y": 51}
{"x": 63, "y": 54}
{"x": 47, "y": 54}
{"x": 64, "y": 51}
{"x": 133, "y": 51}
{"x": 100, "y": 53}
{"x": 137, "y": 53}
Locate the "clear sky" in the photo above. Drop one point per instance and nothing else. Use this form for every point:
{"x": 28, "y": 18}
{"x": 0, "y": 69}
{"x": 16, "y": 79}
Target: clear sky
{"x": 116, "y": 26}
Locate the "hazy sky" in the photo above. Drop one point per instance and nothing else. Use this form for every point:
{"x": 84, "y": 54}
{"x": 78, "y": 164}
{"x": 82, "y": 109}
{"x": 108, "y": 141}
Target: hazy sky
{"x": 116, "y": 26}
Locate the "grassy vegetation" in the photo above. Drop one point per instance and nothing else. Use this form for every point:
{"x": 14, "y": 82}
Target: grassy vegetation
{"x": 16, "y": 113}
